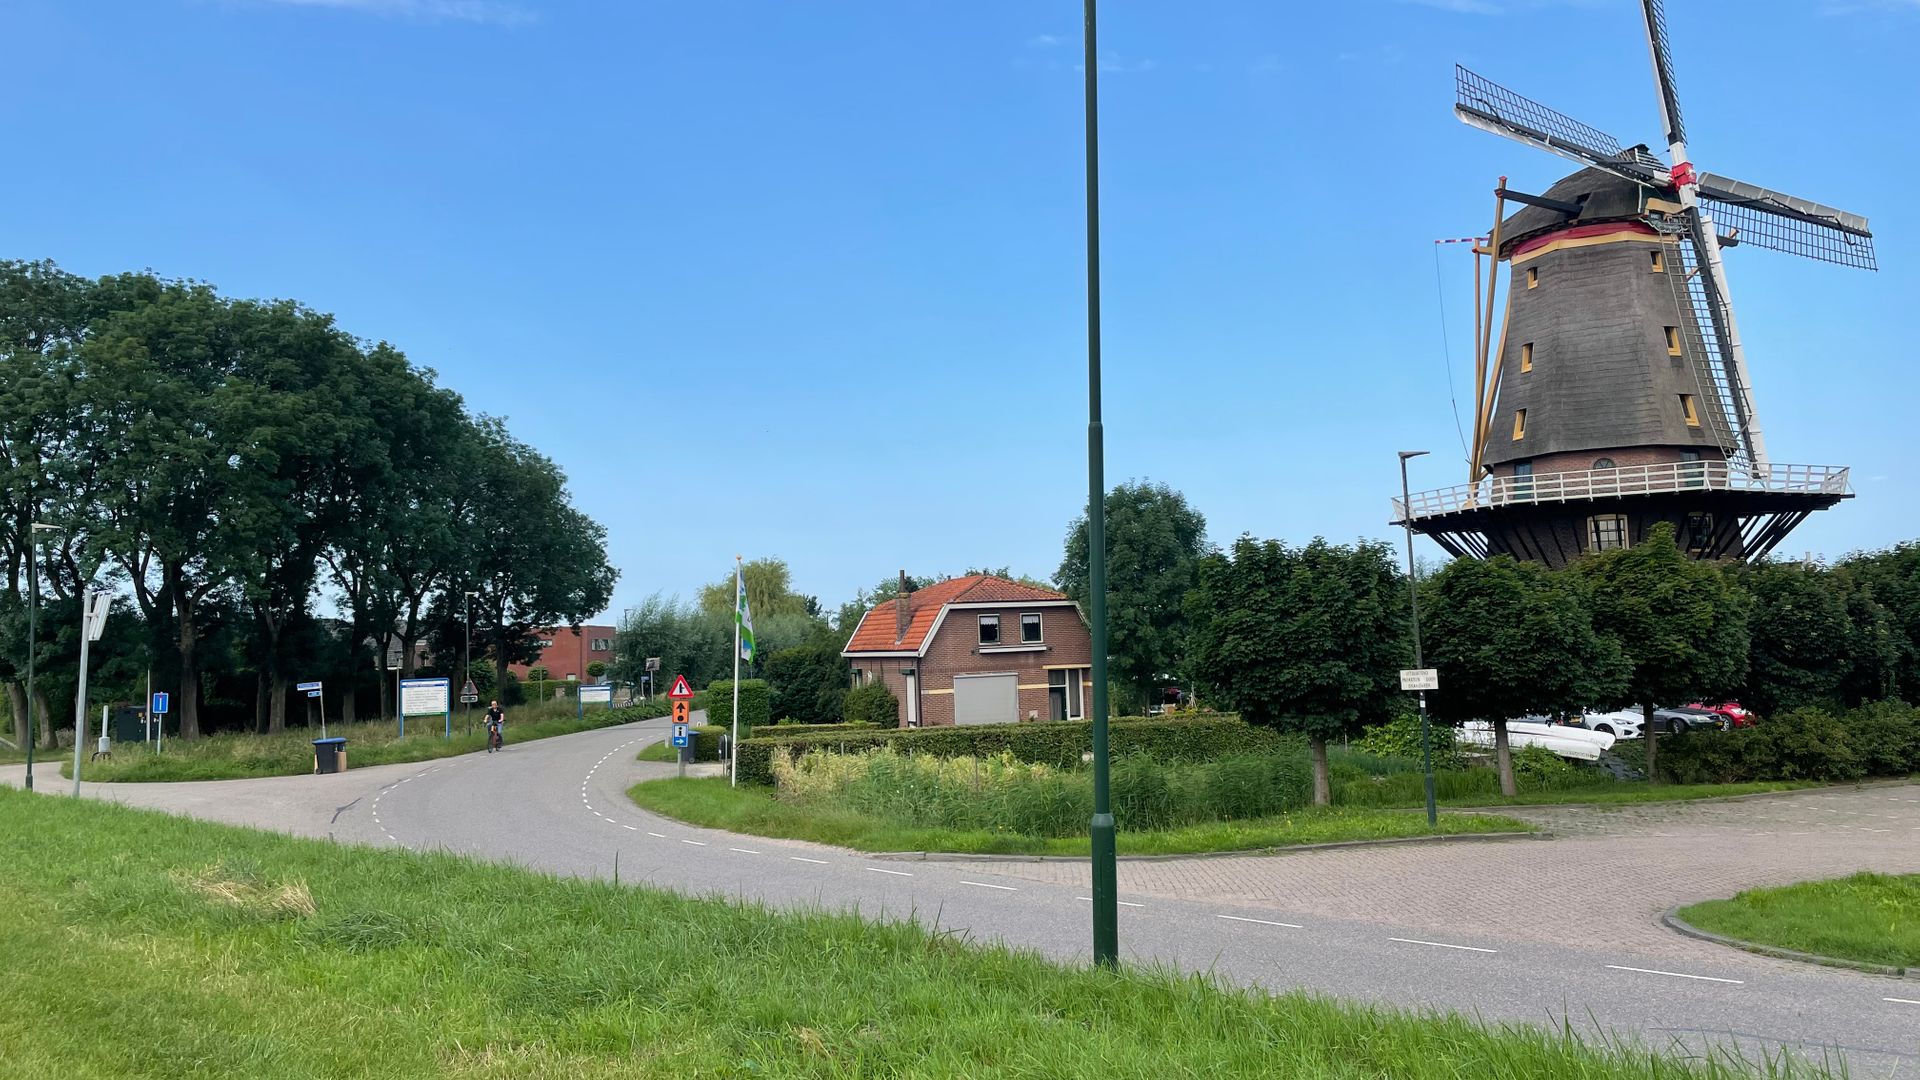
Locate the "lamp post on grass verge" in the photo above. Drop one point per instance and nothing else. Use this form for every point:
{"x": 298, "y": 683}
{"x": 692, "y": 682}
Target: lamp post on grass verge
{"x": 1106, "y": 892}
{"x": 1419, "y": 660}
{"x": 33, "y": 612}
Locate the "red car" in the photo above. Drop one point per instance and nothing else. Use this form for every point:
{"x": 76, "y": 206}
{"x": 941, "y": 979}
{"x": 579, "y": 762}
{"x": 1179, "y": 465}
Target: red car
{"x": 1735, "y": 714}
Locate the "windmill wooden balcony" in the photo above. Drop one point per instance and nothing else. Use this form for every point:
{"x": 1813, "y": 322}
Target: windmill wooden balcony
{"x": 1541, "y": 516}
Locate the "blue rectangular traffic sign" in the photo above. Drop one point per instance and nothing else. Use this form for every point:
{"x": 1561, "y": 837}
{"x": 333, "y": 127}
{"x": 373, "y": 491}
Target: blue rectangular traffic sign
{"x": 679, "y": 736}
{"x": 160, "y": 701}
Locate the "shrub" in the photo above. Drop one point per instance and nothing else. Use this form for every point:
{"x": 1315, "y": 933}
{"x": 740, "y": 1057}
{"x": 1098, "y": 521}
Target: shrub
{"x": 794, "y": 727}
{"x": 1800, "y": 744}
{"x": 756, "y": 703}
{"x": 1537, "y": 768}
{"x": 706, "y": 741}
{"x": 874, "y": 705}
{"x": 597, "y": 668}
{"x": 1200, "y": 738}
{"x": 1400, "y": 738}
{"x": 1886, "y": 736}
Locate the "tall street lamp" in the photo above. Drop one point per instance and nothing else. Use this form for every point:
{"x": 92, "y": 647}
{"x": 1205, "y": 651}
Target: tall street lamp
{"x": 1419, "y": 659}
{"x": 1106, "y": 891}
{"x": 33, "y": 637}
{"x": 466, "y": 664}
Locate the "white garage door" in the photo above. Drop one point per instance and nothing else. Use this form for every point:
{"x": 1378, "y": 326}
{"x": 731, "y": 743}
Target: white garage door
{"x": 986, "y": 699}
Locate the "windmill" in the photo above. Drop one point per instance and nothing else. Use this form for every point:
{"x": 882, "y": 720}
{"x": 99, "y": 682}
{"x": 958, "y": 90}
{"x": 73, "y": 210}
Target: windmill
{"x": 1619, "y": 394}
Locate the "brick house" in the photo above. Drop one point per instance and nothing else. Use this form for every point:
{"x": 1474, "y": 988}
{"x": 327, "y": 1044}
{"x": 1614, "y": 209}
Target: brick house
{"x": 977, "y": 650}
{"x": 565, "y": 652}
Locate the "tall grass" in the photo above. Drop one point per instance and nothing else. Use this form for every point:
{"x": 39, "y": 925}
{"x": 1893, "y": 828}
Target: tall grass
{"x": 143, "y": 944}
{"x": 1000, "y": 794}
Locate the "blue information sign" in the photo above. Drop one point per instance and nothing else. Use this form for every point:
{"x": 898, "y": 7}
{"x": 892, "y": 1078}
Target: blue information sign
{"x": 160, "y": 701}
{"x": 679, "y": 736}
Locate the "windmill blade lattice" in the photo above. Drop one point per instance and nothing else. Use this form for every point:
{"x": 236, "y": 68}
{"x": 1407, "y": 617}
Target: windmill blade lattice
{"x": 1486, "y": 104}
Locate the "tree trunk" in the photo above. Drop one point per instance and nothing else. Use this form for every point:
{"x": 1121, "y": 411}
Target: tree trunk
{"x": 43, "y": 717}
{"x": 1503, "y": 758}
{"x": 1322, "y": 787}
{"x": 189, "y": 691}
{"x": 1648, "y": 732}
{"x": 260, "y": 703}
{"x": 276, "y": 703}
{"x": 346, "y": 704}
{"x": 17, "y": 699}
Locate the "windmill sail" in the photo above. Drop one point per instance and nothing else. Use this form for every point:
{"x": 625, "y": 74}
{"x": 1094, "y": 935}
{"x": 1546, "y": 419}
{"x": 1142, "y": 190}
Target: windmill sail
{"x": 1780, "y": 222}
{"x": 1487, "y": 105}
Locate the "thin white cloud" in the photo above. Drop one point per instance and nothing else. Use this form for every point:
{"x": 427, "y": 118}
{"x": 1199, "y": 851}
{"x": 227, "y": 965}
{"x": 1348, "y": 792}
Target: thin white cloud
{"x": 487, "y": 12}
{"x": 1045, "y": 41}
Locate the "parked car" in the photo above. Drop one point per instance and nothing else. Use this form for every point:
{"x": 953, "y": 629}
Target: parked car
{"x": 1732, "y": 710}
{"x": 1679, "y": 718}
{"x": 1620, "y": 723}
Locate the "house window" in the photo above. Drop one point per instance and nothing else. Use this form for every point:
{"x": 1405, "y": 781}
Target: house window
{"x": 601, "y": 645}
{"x": 1533, "y": 276}
{"x": 1606, "y": 532}
{"x": 1526, "y": 357}
{"x": 1064, "y": 695}
{"x": 1691, "y": 470}
{"x": 1030, "y": 628}
{"x": 1673, "y": 340}
{"x": 1519, "y": 424}
{"x": 1659, "y": 261}
{"x": 1522, "y": 487}
{"x": 859, "y": 677}
{"x": 989, "y": 629}
{"x": 1699, "y": 533}
{"x": 1687, "y": 410}
{"x": 1603, "y": 463}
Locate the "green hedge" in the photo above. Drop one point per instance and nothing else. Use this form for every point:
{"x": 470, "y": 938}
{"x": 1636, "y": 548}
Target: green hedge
{"x": 872, "y": 703}
{"x": 706, "y": 741}
{"x": 1200, "y": 738}
{"x": 789, "y": 727}
{"x": 1882, "y": 739}
{"x": 756, "y": 703}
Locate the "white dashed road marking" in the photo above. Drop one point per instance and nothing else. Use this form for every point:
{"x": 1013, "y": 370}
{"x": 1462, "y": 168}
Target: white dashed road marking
{"x": 1902, "y": 1001}
{"x": 1678, "y": 975}
{"x": 1122, "y": 903}
{"x": 895, "y": 873}
{"x": 984, "y": 885}
{"x": 797, "y": 858}
{"x": 744, "y": 851}
{"x": 1262, "y": 922}
{"x": 1442, "y": 945}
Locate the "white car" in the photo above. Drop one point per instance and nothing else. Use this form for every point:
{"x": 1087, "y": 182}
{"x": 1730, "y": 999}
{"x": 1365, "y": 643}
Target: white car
{"x": 1621, "y": 723}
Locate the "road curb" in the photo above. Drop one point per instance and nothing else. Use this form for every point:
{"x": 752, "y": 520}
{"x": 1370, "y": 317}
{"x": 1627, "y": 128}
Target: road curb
{"x": 1672, "y": 920}
{"x": 963, "y": 856}
{"x": 1749, "y": 796}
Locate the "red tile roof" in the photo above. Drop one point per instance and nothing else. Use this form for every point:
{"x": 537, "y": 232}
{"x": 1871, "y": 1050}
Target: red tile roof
{"x": 876, "y": 632}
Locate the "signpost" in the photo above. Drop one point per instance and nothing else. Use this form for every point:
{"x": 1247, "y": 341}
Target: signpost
{"x": 594, "y": 693}
{"x": 425, "y": 697}
{"x": 652, "y": 665}
{"x": 1419, "y": 678}
{"x": 682, "y": 696}
{"x": 1423, "y": 680}
{"x": 314, "y": 690}
{"x": 93, "y": 623}
{"x": 157, "y": 711}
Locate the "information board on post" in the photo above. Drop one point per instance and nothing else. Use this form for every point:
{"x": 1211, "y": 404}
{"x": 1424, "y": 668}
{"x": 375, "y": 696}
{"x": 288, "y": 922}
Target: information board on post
{"x": 426, "y": 697}
{"x": 1419, "y": 678}
{"x": 594, "y": 693}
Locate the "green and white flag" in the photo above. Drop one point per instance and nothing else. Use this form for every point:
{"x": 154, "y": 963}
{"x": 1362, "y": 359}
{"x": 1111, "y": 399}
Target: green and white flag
{"x": 742, "y": 615}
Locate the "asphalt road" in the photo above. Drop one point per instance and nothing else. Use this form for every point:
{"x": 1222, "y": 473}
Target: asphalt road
{"x": 559, "y": 805}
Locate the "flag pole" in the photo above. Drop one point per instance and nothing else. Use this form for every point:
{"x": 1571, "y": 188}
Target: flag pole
{"x": 733, "y": 744}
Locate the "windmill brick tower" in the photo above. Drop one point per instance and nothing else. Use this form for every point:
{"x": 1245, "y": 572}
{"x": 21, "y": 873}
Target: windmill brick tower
{"x": 1616, "y": 395}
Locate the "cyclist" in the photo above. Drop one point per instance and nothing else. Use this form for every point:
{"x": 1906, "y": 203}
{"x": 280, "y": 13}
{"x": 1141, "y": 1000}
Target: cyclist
{"x": 496, "y": 723}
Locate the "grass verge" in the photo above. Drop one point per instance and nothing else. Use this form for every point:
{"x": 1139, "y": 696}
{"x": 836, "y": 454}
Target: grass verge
{"x": 1627, "y": 792}
{"x": 237, "y": 755}
{"x": 218, "y": 951}
{"x": 711, "y": 803}
{"x": 1865, "y": 918}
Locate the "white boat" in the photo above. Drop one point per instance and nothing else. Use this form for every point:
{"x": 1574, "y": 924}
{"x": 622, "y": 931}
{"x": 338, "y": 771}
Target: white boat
{"x": 1577, "y": 743}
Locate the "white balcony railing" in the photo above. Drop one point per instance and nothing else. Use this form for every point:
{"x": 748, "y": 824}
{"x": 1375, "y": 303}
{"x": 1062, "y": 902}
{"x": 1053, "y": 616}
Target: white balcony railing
{"x": 1666, "y": 478}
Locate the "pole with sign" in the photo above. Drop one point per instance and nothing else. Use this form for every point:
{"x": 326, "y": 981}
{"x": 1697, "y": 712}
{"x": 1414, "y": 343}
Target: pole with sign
{"x": 315, "y": 690}
{"x": 426, "y": 697}
{"x": 157, "y": 707}
{"x": 93, "y": 623}
{"x": 682, "y": 696}
{"x": 1423, "y": 680}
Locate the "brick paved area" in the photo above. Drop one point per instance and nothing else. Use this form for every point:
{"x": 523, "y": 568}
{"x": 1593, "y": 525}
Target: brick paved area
{"x": 1603, "y": 880}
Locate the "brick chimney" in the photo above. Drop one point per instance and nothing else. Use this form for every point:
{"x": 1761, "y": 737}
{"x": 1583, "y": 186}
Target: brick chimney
{"x": 902, "y": 611}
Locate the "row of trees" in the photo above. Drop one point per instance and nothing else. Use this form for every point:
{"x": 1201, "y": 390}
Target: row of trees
{"x": 1311, "y": 638}
{"x": 239, "y": 471}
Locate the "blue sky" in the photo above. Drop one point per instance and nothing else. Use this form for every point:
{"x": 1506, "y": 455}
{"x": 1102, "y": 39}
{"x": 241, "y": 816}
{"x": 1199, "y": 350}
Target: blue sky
{"x": 805, "y": 279}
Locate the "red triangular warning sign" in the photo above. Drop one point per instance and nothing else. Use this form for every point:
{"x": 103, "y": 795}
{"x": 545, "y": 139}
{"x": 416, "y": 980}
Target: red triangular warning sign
{"x": 680, "y": 688}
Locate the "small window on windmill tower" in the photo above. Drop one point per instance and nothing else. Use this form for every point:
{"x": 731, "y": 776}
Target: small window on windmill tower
{"x": 1659, "y": 261}
{"x": 1519, "y": 424}
{"x": 1533, "y": 276}
{"x": 1526, "y": 356}
{"x": 1687, "y": 410}
{"x": 1673, "y": 340}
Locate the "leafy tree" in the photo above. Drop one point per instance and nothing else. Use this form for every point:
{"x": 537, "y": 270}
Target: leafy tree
{"x": 809, "y": 680}
{"x": 1681, "y": 625}
{"x": 1892, "y": 578}
{"x": 1307, "y": 639}
{"x": 1802, "y": 637}
{"x": 687, "y": 641}
{"x": 1513, "y": 639}
{"x": 769, "y": 593}
{"x": 596, "y": 669}
{"x": 873, "y": 703}
{"x": 1154, "y": 542}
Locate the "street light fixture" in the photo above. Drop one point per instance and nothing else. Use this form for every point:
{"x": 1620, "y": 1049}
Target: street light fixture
{"x": 33, "y": 610}
{"x": 1106, "y": 891}
{"x": 1419, "y": 659}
